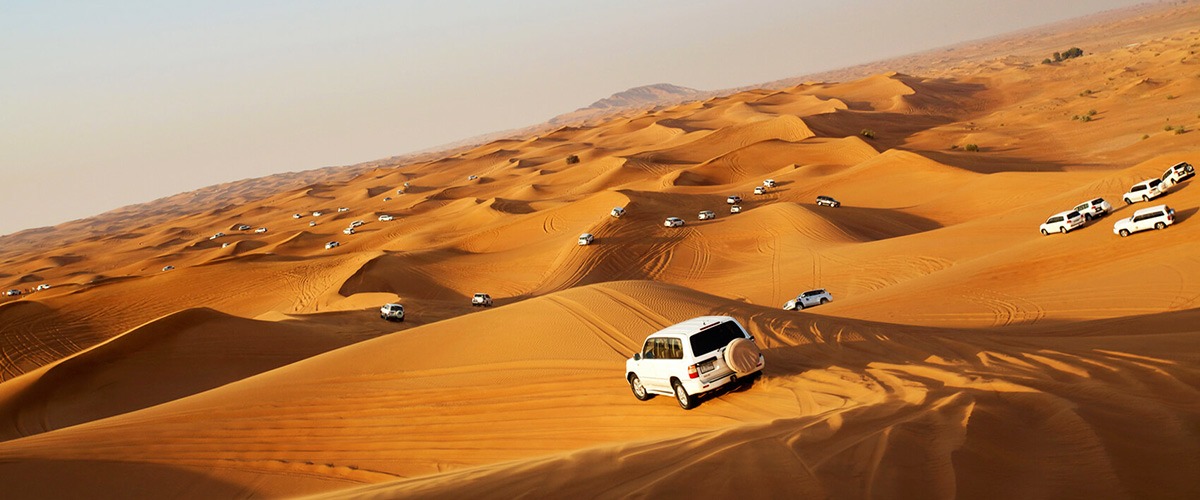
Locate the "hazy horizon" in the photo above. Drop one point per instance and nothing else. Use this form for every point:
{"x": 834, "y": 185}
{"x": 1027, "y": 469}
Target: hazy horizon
{"x": 110, "y": 105}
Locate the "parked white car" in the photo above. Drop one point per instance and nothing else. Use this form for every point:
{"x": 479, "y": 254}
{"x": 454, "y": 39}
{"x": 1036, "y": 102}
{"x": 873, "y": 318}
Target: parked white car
{"x": 693, "y": 358}
{"x": 261, "y": 230}
{"x": 706, "y": 214}
{"x": 733, "y": 200}
{"x": 357, "y": 223}
{"x": 343, "y": 209}
{"x": 586, "y": 239}
{"x": 1094, "y": 209}
{"x": 1178, "y": 172}
{"x": 808, "y": 299}
{"x": 769, "y": 183}
{"x": 1157, "y": 217}
{"x": 1145, "y": 191}
{"x": 673, "y": 222}
{"x": 735, "y": 209}
{"x": 348, "y": 230}
{"x": 617, "y": 212}
{"x": 1062, "y": 222}
{"x": 332, "y": 244}
{"x": 481, "y": 300}
{"x": 760, "y": 190}
{"x": 392, "y": 312}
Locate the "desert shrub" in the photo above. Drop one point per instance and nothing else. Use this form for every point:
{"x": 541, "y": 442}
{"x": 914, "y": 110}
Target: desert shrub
{"x": 1046, "y": 61}
{"x": 866, "y": 132}
{"x": 1057, "y": 56}
{"x": 1070, "y": 53}
{"x": 1168, "y": 128}
{"x": 1145, "y": 136}
{"x": 1085, "y": 118}
{"x": 1091, "y": 112}
{"x": 971, "y": 147}
{"x": 1180, "y": 130}
{"x": 513, "y": 160}
{"x": 573, "y": 159}
{"x": 1171, "y": 97}
{"x": 1086, "y": 92}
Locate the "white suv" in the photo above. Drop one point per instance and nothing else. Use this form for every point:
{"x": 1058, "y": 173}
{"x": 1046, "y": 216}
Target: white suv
{"x": 1157, "y": 217}
{"x": 733, "y": 199}
{"x": 808, "y": 299}
{"x": 1179, "y": 172}
{"x": 1062, "y": 222}
{"x": 706, "y": 214}
{"x": 694, "y": 357}
{"x": 481, "y": 300}
{"x": 673, "y": 222}
{"x": 1145, "y": 191}
{"x": 1094, "y": 209}
{"x": 392, "y": 312}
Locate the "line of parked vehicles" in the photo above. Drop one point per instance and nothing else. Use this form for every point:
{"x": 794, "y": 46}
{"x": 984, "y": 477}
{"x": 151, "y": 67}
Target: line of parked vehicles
{"x": 1155, "y": 217}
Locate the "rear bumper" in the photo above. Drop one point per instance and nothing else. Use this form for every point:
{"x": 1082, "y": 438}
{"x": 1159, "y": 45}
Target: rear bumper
{"x": 700, "y": 385}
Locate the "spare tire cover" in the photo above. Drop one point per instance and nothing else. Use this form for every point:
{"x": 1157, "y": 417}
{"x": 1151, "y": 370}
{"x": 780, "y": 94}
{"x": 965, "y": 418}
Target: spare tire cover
{"x": 741, "y": 355}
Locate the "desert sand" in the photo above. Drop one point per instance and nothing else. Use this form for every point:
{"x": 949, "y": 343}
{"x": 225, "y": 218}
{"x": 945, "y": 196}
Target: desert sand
{"x": 964, "y": 354}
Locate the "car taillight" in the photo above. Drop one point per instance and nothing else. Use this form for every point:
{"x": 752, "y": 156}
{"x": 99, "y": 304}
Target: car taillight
{"x": 692, "y": 372}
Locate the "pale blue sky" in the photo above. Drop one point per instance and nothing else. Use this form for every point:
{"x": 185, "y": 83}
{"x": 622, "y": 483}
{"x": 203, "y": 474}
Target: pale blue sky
{"x": 104, "y": 104}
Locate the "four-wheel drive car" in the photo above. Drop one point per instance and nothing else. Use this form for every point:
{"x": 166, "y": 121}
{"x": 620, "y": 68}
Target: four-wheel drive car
{"x": 1157, "y": 217}
{"x": 1062, "y": 222}
{"x": 348, "y": 230}
{"x": 385, "y": 218}
{"x": 1094, "y": 209}
{"x": 735, "y": 209}
{"x": 769, "y": 183}
{"x": 706, "y": 214}
{"x": 332, "y": 244}
{"x": 343, "y": 209}
{"x": 692, "y": 358}
{"x": 481, "y": 300}
{"x": 808, "y": 299}
{"x": 1178, "y": 172}
{"x": 673, "y": 222}
{"x": 586, "y": 239}
{"x": 261, "y": 230}
{"x": 760, "y": 190}
{"x": 392, "y": 312}
{"x": 617, "y": 212}
{"x": 13, "y": 293}
{"x": 1145, "y": 191}
{"x": 296, "y": 216}
{"x": 827, "y": 201}
{"x": 243, "y": 227}
{"x": 733, "y": 199}
{"x": 168, "y": 268}
{"x": 357, "y": 223}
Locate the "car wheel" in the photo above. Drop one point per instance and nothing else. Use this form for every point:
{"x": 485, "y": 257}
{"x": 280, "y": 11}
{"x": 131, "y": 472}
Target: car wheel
{"x": 639, "y": 391}
{"x": 1087, "y": 217}
{"x": 686, "y": 401}
{"x": 1160, "y": 225}
{"x": 1124, "y": 233}
{"x": 1145, "y": 198}
{"x": 1128, "y": 202}
{"x": 824, "y": 301}
{"x": 1045, "y": 233}
{"x": 1062, "y": 229}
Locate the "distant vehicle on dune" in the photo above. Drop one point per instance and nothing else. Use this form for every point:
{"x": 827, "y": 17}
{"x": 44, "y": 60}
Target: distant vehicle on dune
{"x": 769, "y": 183}
{"x": 261, "y": 230}
{"x": 759, "y": 190}
{"x": 1094, "y": 209}
{"x": 43, "y": 286}
{"x": 1062, "y": 222}
{"x": 617, "y": 212}
{"x": 13, "y": 293}
{"x": 706, "y": 214}
{"x": 808, "y": 299}
{"x": 828, "y": 201}
{"x": 735, "y": 209}
{"x": 297, "y": 216}
{"x": 1178, "y": 172}
{"x": 348, "y": 230}
{"x": 357, "y": 223}
{"x": 673, "y": 222}
{"x": 168, "y": 268}
{"x": 481, "y": 300}
{"x": 386, "y": 218}
{"x": 1145, "y": 191}
{"x": 392, "y": 312}
{"x": 586, "y": 239}
{"x": 343, "y": 209}
{"x": 734, "y": 199}
{"x": 243, "y": 227}
{"x": 332, "y": 244}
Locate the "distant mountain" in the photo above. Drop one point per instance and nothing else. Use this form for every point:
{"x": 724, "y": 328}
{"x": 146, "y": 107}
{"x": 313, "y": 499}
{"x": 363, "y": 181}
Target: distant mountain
{"x": 648, "y": 95}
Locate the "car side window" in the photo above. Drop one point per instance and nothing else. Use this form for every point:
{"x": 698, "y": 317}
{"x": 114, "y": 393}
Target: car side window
{"x": 648, "y": 349}
{"x": 1055, "y": 219}
{"x": 674, "y": 349}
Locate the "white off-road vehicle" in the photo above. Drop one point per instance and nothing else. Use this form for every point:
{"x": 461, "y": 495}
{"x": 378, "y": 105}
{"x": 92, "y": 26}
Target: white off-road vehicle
{"x": 168, "y": 268}
{"x": 733, "y": 199}
{"x": 392, "y": 312}
{"x": 617, "y": 212}
{"x": 357, "y": 223}
{"x": 261, "y": 230}
{"x": 673, "y": 222}
{"x": 481, "y": 300}
{"x": 735, "y": 209}
{"x": 1145, "y": 191}
{"x": 689, "y": 359}
{"x": 317, "y": 214}
{"x": 1157, "y": 217}
{"x": 760, "y": 190}
{"x": 43, "y": 286}
{"x": 348, "y": 230}
{"x": 243, "y": 227}
{"x": 343, "y": 209}
{"x": 386, "y": 218}
{"x": 1062, "y": 222}
{"x": 808, "y": 299}
{"x": 215, "y": 236}
{"x": 1094, "y": 209}
{"x": 1178, "y": 172}
{"x": 332, "y": 244}
{"x": 586, "y": 239}
{"x": 297, "y": 216}
{"x": 769, "y": 183}
{"x": 828, "y": 201}
{"x": 706, "y": 214}
{"x": 13, "y": 293}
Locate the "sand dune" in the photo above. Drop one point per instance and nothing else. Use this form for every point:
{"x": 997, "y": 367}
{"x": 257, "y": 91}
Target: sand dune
{"x": 964, "y": 354}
